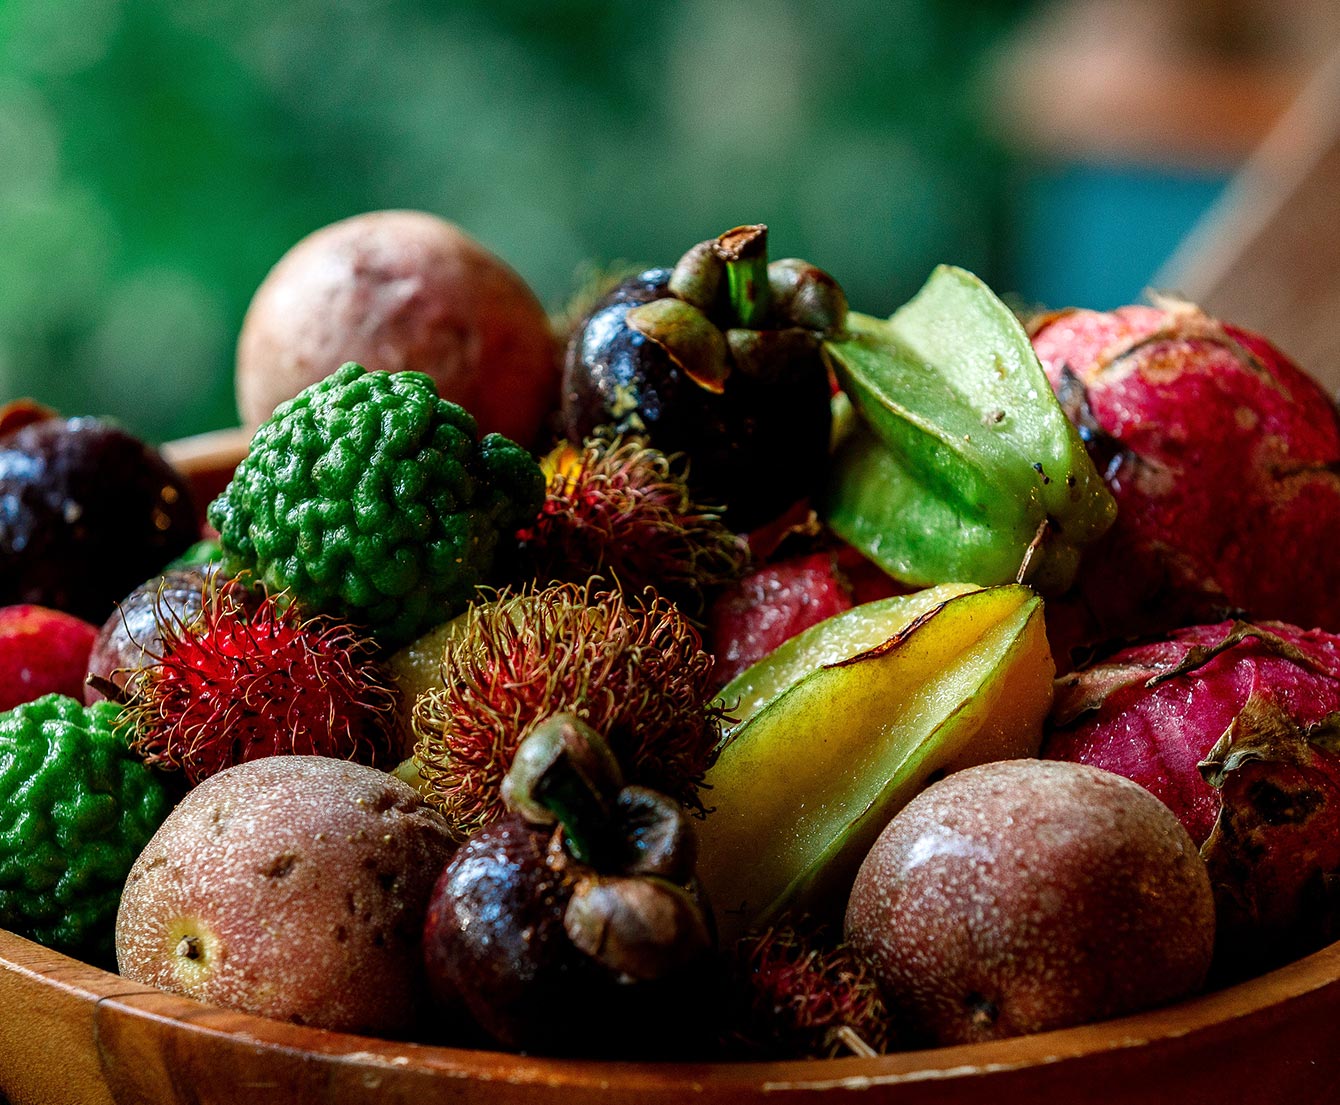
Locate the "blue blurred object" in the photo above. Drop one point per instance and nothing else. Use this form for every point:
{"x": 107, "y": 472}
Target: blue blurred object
{"x": 1093, "y": 235}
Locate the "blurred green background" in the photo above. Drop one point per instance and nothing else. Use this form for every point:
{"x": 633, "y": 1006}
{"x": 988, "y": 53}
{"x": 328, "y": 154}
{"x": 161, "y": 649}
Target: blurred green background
{"x": 158, "y": 156}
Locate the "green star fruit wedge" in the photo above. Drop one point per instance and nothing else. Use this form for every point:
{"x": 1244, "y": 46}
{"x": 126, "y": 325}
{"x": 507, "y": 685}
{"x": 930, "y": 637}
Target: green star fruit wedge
{"x": 841, "y": 726}
{"x": 961, "y": 464}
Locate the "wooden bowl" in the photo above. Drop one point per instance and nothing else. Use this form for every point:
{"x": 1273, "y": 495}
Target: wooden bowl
{"x": 71, "y": 1034}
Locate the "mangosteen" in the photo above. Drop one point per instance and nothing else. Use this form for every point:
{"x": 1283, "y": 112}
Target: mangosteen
{"x": 718, "y": 359}
{"x": 86, "y": 513}
{"x": 573, "y": 926}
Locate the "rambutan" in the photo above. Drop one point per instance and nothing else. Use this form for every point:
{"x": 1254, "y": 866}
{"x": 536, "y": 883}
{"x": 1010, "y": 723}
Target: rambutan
{"x": 798, "y": 995}
{"x": 621, "y": 510}
{"x": 636, "y": 672}
{"x": 243, "y": 679}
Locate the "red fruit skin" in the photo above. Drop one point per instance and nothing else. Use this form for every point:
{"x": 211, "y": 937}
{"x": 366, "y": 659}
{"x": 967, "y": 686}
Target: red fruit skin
{"x": 42, "y": 651}
{"x": 1158, "y": 735}
{"x": 1253, "y": 709}
{"x": 1219, "y": 452}
{"x": 770, "y": 605}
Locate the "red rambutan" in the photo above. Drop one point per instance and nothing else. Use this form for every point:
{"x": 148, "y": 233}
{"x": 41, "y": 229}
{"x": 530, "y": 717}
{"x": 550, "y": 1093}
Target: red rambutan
{"x": 797, "y": 995}
{"x": 636, "y": 673}
{"x": 623, "y": 511}
{"x": 242, "y": 680}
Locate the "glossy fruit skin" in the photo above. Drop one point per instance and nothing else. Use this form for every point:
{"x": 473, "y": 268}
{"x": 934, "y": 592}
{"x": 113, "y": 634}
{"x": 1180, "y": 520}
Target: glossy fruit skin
{"x": 843, "y": 724}
{"x": 131, "y": 638}
{"x": 1023, "y": 896}
{"x": 1158, "y": 735}
{"x": 1221, "y": 454}
{"x": 770, "y": 605}
{"x": 494, "y": 943}
{"x": 86, "y": 513}
{"x": 42, "y": 652}
{"x": 755, "y": 448}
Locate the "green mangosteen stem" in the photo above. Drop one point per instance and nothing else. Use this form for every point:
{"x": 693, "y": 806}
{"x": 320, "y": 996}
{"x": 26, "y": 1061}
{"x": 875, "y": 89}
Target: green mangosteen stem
{"x": 564, "y": 773}
{"x": 745, "y": 252}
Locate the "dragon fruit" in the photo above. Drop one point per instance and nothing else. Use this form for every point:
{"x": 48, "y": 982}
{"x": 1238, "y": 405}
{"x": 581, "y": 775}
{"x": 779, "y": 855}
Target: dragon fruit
{"x": 1224, "y": 459}
{"x": 1236, "y": 727}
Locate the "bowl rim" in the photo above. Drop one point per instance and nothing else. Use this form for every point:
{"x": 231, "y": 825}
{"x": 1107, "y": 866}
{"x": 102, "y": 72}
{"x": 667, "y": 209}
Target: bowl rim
{"x": 1264, "y": 996}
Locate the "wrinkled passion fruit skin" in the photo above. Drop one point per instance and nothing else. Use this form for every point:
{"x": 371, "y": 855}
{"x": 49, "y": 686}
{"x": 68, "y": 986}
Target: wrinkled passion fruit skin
{"x": 495, "y": 945}
{"x": 756, "y": 448}
{"x": 86, "y": 513}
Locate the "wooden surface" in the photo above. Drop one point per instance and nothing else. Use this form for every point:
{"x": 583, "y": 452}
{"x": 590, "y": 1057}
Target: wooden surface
{"x": 74, "y": 1035}
{"x": 1268, "y": 256}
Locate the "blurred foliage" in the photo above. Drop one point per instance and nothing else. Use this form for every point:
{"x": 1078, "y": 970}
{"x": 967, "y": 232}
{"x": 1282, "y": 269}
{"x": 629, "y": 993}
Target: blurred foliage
{"x": 158, "y": 156}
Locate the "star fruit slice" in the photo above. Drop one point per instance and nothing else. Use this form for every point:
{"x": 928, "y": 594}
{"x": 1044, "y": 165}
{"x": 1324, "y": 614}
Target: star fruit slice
{"x": 845, "y": 723}
{"x": 961, "y": 463}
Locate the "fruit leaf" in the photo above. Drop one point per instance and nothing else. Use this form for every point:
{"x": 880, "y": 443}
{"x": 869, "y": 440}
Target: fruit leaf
{"x": 966, "y": 455}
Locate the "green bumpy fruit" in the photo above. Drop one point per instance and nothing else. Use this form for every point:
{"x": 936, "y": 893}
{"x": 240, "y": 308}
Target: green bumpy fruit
{"x": 367, "y": 497}
{"x": 76, "y": 809}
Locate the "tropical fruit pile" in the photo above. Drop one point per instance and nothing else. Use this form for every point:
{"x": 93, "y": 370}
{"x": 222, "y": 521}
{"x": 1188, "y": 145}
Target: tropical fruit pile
{"x": 720, "y": 673}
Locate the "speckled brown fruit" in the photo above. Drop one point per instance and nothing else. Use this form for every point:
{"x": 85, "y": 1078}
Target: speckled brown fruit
{"x": 400, "y": 290}
{"x": 294, "y": 887}
{"x": 1023, "y": 896}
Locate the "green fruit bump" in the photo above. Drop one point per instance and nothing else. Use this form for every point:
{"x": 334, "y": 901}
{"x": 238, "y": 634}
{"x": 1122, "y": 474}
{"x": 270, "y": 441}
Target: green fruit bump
{"x": 76, "y": 809}
{"x": 368, "y": 497}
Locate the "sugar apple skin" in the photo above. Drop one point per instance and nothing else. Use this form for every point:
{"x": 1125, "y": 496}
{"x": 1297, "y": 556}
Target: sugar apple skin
{"x": 76, "y": 809}
{"x": 368, "y": 497}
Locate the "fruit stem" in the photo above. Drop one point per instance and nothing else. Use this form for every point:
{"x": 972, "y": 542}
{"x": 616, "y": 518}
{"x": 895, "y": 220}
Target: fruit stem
{"x": 564, "y": 771}
{"x": 108, "y": 689}
{"x": 581, "y": 810}
{"x": 745, "y": 252}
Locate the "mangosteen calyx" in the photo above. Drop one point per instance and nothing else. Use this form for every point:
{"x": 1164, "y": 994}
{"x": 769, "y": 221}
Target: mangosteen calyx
{"x": 719, "y": 360}
{"x": 628, "y": 853}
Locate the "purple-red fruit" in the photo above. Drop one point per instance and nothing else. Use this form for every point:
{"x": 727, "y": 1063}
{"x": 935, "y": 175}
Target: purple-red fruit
{"x": 1233, "y": 726}
{"x": 770, "y": 605}
{"x": 132, "y": 637}
{"x": 497, "y": 944}
{"x": 86, "y": 513}
{"x": 1223, "y": 458}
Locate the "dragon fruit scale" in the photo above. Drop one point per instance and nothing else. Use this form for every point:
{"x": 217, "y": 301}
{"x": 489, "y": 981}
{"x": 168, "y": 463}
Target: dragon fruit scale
{"x": 1236, "y": 727}
{"x": 1224, "y": 459}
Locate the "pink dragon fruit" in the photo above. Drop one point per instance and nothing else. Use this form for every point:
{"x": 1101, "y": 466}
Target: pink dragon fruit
{"x": 1236, "y": 727}
{"x": 1224, "y": 459}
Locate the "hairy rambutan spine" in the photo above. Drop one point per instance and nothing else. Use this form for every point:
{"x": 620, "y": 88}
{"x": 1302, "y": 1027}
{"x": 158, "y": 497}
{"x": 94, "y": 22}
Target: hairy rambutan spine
{"x": 245, "y": 679}
{"x": 620, "y": 509}
{"x": 800, "y": 996}
{"x": 636, "y": 673}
